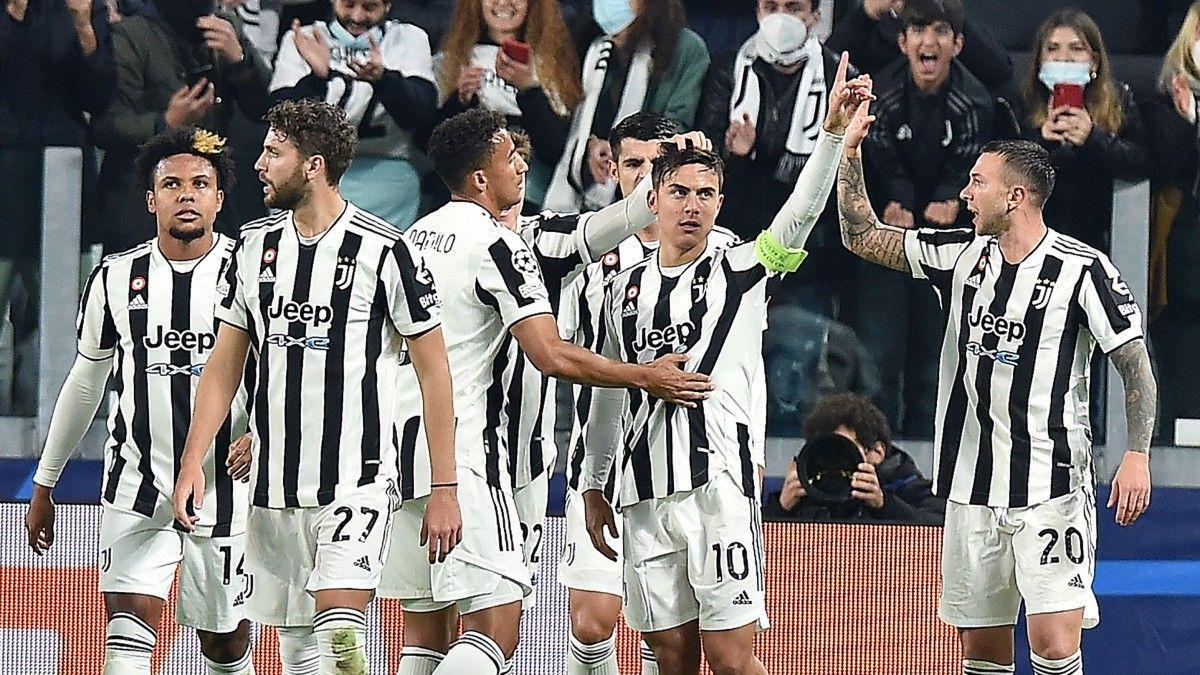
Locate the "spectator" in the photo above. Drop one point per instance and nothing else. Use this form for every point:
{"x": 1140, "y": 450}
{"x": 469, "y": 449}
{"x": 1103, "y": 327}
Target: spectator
{"x": 870, "y": 31}
{"x": 887, "y": 486}
{"x": 1175, "y": 227}
{"x": 260, "y": 22}
{"x": 537, "y": 96}
{"x": 177, "y": 65}
{"x": 381, "y": 73}
{"x": 1090, "y": 146}
{"x": 766, "y": 101}
{"x": 933, "y": 117}
{"x": 647, "y": 59}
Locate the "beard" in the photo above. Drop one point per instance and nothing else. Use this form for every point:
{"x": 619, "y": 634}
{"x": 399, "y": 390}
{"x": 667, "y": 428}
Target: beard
{"x": 289, "y": 193}
{"x": 185, "y": 235}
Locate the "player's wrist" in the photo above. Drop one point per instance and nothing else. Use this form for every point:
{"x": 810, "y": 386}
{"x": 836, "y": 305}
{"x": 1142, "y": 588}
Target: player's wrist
{"x": 1137, "y": 455}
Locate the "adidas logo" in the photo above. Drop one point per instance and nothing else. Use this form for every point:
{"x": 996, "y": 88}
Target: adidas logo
{"x": 239, "y": 600}
{"x": 266, "y": 277}
{"x": 138, "y": 302}
{"x": 363, "y": 564}
{"x": 1076, "y": 582}
{"x": 743, "y": 598}
{"x": 629, "y": 310}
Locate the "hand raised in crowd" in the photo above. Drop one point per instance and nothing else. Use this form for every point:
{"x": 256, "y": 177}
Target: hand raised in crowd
{"x": 470, "y": 81}
{"x": 1052, "y": 128}
{"x": 793, "y": 490}
{"x": 17, "y": 8}
{"x": 598, "y": 518}
{"x": 942, "y": 213}
{"x": 237, "y": 464}
{"x": 845, "y": 96}
{"x": 864, "y": 486}
{"x": 691, "y": 139}
{"x": 114, "y": 11}
{"x": 877, "y": 9}
{"x": 512, "y": 71}
{"x": 313, "y": 49}
{"x": 371, "y": 69}
{"x": 80, "y": 10}
{"x": 221, "y": 38}
{"x": 1183, "y": 97}
{"x": 39, "y": 519}
{"x": 897, "y": 216}
{"x": 189, "y": 105}
{"x": 1076, "y": 125}
{"x": 441, "y": 528}
{"x": 740, "y": 136}
{"x": 599, "y": 160}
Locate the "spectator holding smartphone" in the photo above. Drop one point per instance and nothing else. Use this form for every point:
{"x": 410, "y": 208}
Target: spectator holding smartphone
{"x": 178, "y": 64}
{"x": 1094, "y": 136}
{"x": 515, "y": 57}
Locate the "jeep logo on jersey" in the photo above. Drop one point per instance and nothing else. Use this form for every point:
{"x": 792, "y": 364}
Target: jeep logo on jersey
{"x": 674, "y": 336}
{"x": 997, "y": 325}
{"x": 303, "y": 312}
{"x": 343, "y": 276}
{"x": 180, "y": 339}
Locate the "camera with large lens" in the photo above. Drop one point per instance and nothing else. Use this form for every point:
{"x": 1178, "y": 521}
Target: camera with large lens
{"x": 825, "y": 467}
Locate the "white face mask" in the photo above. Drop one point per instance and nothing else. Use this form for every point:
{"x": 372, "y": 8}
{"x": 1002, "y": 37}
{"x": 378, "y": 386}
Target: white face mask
{"x": 1065, "y": 72}
{"x": 782, "y": 37}
{"x": 1196, "y": 54}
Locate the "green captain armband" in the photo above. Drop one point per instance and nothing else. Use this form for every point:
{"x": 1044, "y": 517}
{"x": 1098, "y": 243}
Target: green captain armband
{"x": 775, "y": 256}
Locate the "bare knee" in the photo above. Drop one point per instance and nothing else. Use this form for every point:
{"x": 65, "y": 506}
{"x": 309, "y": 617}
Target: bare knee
{"x": 225, "y": 647}
{"x": 731, "y": 652}
{"x": 431, "y": 630}
{"x": 993, "y": 644}
{"x": 593, "y": 616}
{"x": 677, "y": 650}
{"x": 1055, "y": 635}
{"x": 1054, "y": 647}
{"x": 501, "y": 624}
{"x": 145, "y": 607}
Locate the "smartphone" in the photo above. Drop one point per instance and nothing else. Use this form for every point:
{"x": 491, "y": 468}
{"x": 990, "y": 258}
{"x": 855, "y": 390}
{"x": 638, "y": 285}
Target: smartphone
{"x": 196, "y": 74}
{"x": 1067, "y": 94}
{"x": 517, "y": 51}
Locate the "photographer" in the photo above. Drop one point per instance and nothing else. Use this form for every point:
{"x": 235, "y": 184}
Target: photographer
{"x": 886, "y": 486}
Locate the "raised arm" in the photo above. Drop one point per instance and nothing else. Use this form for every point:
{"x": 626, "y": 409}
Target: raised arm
{"x": 862, "y": 233}
{"x": 1131, "y": 485}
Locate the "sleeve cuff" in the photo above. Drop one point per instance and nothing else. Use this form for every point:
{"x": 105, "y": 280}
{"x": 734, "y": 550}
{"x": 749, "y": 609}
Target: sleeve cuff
{"x": 535, "y": 309}
{"x": 418, "y": 330}
{"x": 1121, "y": 340}
{"x": 46, "y": 478}
{"x": 912, "y": 251}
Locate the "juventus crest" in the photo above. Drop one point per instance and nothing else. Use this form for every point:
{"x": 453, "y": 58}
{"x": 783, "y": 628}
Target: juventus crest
{"x": 344, "y": 273}
{"x": 1041, "y": 293}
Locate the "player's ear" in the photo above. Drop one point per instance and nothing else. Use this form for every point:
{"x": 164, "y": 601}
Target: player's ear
{"x": 478, "y": 181}
{"x": 220, "y": 200}
{"x": 150, "y": 201}
{"x": 652, "y": 200}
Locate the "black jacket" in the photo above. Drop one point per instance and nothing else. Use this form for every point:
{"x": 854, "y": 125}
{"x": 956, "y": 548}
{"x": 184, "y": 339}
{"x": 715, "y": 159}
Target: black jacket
{"x": 1081, "y": 204}
{"x": 755, "y": 189}
{"x": 907, "y": 498}
{"x": 913, "y": 175}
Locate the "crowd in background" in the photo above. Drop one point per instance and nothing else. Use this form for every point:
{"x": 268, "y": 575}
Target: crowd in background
{"x": 105, "y": 75}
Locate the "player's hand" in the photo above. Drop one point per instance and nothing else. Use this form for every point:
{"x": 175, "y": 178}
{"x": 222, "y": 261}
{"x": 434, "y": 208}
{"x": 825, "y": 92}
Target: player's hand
{"x": 942, "y": 213}
{"x": 441, "y": 529}
{"x": 740, "y": 136}
{"x": 864, "y": 486}
{"x": 877, "y": 9}
{"x": 599, "y": 160}
{"x": 692, "y": 139}
{"x": 793, "y": 490}
{"x": 666, "y": 379}
{"x": 189, "y": 493}
{"x": 313, "y": 49}
{"x": 845, "y": 96}
{"x": 598, "y": 515}
{"x": 220, "y": 37}
{"x": 370, "y": 70}
{"x": 237, "y": 464}
{"x": 859, "y": 127}
{"x": 470, "y": 81}
{"x": 1131, "y": 488}
{"x": 898, "y": 216}
{"x": 189, "y": 105}
{"x": 39, "y": 519}
{"x": 80, "y": 10}
{"x": 512, "y": 71}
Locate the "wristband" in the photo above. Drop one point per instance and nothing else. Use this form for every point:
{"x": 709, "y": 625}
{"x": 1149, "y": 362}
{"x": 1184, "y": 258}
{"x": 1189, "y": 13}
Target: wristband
{"x": 443, "y": 485}
{"x": 775, "y": 256}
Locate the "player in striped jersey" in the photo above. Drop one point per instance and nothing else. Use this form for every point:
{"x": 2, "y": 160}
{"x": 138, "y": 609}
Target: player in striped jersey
{"x": 494, "y": 293}
{"x": 146, "y": 318}
{"x": 326, "y": 294}
{"x": 694, "y": 567}
{"x": 1026, "y": 308}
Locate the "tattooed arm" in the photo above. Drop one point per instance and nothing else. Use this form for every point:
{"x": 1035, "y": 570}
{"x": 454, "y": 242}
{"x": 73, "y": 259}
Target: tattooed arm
{"x": 862, "y": 233}
{"x": 1131, "y": 484}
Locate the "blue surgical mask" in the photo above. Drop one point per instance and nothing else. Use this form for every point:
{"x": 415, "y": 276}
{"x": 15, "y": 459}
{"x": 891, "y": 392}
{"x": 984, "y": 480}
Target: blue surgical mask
{"x": 613, "y": 16}
{"x": 350, "y": 43}
{"x": 1065, "y": 72}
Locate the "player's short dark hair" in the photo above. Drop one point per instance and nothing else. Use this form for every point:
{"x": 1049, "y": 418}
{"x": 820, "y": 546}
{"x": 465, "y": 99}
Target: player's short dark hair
{"x": 1030, "y": 163}
{"x": 184, "y": 141}
{"x": 317, "y": 128}
{"x": 921, "y": 13}
{"x": 673, "y": 159}
{"x": 853, "y": 411}
{"x": 462, "y": 144}
{"x": 642, "y": 125}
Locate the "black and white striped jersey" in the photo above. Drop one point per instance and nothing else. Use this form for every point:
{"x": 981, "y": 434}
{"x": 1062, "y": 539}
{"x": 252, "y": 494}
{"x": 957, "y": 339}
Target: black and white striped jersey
{"x": 1012, "y": 425}
{"x": 153, "y": 318}
{"x": 326, "y": 320}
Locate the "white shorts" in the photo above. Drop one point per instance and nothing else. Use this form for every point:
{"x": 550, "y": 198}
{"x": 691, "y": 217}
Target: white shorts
{"x": 406, "y": 573}
{"x": 531, "y": 512}
{"x": 582, "y": 567}
{"x": 487, "y": 568}
{"x": 993, "y": 558}
{"x": 292, "y": 553}
{"x": 139, "y": 555}
{"x": 695, "y": 555}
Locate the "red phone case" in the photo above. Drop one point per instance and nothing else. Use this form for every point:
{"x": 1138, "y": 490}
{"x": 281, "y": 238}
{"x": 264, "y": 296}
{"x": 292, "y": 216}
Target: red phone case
{"x": 517, "y": 51}
{"x": 1068, "y": 95}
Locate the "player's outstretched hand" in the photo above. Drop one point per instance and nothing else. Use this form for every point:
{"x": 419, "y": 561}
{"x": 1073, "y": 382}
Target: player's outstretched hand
{"x": 1131, "y": 488}
{"x": 39, "y": 519}
{"x": 860, "y": 124}
{"x": 237, "y": 464}
{"x": 598, "y": 515}
{"x": 441, "y": 530}
{"x": 666, "y": 379}
{"x": 189, "y": 493}
{"x": 692, "y": 139}
{"x": 845, "y": 96}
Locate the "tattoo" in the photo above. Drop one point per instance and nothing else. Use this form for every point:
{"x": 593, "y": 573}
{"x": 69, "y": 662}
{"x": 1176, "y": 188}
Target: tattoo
{"x": 862, "y": 233}
{"x": 1141, "y": 393}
